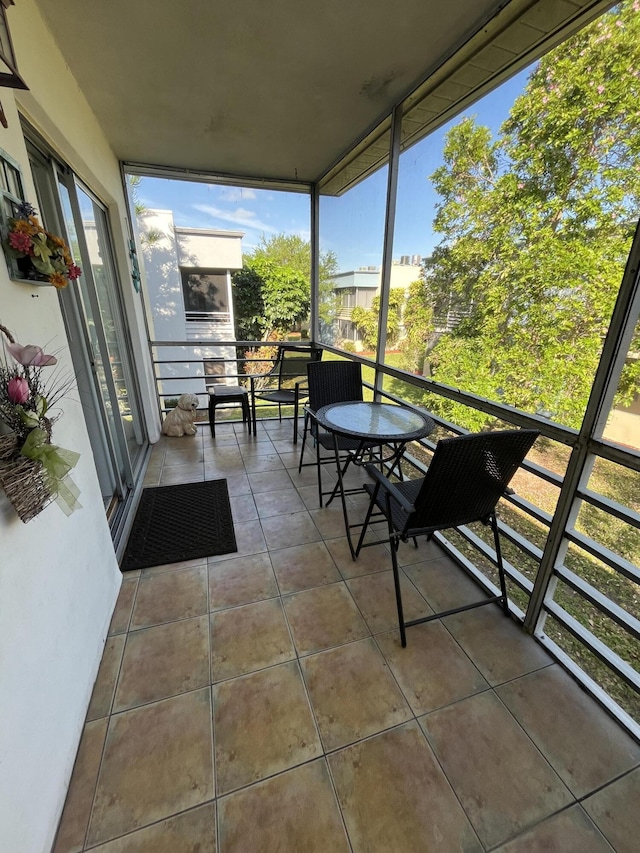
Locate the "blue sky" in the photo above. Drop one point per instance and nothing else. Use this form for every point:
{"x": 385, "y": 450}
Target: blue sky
{"x": 351, "y": 225}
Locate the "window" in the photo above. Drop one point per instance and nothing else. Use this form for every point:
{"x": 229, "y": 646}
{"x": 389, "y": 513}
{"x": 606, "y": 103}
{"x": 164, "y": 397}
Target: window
{"x": 206, "y": 292}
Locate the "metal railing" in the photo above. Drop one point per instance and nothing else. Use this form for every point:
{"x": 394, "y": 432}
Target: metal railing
{"x": 603, "y": 664}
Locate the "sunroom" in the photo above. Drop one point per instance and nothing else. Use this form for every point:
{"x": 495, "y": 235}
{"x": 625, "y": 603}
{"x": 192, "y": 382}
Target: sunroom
{"x": 261, "y": 700}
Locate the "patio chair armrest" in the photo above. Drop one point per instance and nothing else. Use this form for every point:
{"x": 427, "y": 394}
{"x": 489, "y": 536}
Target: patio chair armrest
{"x": 389, "y": 487}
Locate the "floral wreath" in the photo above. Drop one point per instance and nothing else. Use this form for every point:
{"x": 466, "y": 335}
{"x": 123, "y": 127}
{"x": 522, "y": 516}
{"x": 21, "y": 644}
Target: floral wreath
{"x": 49, "y": 254}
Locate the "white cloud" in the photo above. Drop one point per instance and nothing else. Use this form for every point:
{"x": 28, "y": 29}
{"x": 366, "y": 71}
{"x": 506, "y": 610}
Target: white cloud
{"x": 237, "y": 194}
{"x": 240, "y": 216}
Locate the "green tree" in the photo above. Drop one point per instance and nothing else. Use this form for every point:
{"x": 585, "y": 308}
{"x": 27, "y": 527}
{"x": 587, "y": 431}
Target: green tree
{"x": 536, "y": 226}
{"x": 273, "y": 290}
{"x": 366, "y": 319}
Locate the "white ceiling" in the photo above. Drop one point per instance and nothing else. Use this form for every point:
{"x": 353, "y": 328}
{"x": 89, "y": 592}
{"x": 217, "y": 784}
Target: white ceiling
{"x": 259, "y": 89}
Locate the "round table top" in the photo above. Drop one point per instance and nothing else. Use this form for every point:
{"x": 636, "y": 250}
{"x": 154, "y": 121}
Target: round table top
{"x": 375, "y": 420}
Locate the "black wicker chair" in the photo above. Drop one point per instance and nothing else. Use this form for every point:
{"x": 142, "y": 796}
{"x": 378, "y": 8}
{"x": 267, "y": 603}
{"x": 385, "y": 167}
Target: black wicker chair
{"x": 465, "y": 480}
{"x": 284, "y": 384}
{"x": 331, "y": 382}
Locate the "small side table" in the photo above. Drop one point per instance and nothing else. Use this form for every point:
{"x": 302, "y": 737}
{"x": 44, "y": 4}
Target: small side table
{"x": 219, "y": 394}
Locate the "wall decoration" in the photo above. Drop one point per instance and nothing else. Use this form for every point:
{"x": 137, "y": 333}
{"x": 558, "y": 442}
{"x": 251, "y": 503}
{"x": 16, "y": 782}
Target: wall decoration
{"x": 33, "y": 471}
{"x": 34, "y": 254}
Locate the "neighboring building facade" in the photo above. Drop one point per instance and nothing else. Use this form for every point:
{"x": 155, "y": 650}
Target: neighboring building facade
{"x": 358, "y": 288}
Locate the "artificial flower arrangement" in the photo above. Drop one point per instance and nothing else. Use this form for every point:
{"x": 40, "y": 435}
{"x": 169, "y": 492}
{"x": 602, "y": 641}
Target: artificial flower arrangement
{"x": 33, "y": 471}
{"x": 39, "y": 255}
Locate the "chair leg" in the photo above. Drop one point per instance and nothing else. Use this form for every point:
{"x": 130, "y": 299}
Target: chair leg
{"x": 246, "y": 413}
{"x": 304, "y": 439}
{"x": 503, "y": 585}
{"x": 396, "y": 583}
{"x": 212, "y": 417}
{"x": 319, "y": 472}
{"x": 365, "y": 524}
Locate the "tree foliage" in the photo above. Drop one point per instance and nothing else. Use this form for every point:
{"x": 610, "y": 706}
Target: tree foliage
{"x": 536, "y": 226}
{"x": 272, "y": 292}
{"x": 366, "y": 319}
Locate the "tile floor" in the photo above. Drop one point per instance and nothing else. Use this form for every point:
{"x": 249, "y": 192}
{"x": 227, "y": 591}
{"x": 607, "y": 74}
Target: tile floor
{"x": 261, "y": 701}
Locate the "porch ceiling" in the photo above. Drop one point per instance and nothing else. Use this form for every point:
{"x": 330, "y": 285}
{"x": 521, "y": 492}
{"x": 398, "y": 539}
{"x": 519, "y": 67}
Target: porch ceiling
{"x": 273, "y": 90}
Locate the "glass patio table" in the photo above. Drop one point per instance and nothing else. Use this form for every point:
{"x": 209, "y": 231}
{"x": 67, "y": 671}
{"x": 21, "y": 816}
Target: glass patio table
{"x": 390, "y": 425}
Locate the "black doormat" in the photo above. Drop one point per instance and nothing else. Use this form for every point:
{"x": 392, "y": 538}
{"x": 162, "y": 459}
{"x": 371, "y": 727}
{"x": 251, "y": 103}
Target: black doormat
{"x": 175, "y": 523}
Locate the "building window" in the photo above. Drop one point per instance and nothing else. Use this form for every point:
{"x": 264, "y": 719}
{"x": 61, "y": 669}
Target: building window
{"x": 206, "y": 294}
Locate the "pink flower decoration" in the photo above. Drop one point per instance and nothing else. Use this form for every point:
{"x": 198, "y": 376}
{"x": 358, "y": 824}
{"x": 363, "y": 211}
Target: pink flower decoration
{"x": 31, "y": 355}
{"x": 21, "y": 242}
{"x": 18, "y": 390}
{"x": 73, "y": 272}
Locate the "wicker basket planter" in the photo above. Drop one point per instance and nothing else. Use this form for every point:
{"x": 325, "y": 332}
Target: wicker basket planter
{"x": 8, "y": 445}
{"x": 24, "y": 484}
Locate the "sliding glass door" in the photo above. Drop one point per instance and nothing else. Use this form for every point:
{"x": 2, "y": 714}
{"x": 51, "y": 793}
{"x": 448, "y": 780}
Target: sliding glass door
{"x": 96, "y": 331}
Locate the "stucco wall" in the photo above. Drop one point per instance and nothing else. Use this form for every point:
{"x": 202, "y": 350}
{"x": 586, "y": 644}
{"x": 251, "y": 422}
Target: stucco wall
{"x": 58, "y": 576}
{"x": 204, "y": 248}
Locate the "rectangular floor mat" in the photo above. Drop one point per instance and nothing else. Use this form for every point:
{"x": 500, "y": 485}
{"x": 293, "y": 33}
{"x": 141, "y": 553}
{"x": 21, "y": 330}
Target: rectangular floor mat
{"x": 183, "y": 522}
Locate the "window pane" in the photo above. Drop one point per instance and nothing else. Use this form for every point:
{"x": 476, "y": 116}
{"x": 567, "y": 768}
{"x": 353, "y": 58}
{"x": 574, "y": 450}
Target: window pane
{"x": 525, "y": 207}
{"x": 351, "y": 244}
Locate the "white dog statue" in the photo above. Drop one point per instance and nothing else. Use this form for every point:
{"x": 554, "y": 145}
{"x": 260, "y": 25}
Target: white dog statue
{"x": 180, "y": 421}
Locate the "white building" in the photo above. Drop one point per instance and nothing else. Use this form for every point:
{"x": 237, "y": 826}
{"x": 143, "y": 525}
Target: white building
{"x": 358, "y": 288}
{"x": 187, "y": 287}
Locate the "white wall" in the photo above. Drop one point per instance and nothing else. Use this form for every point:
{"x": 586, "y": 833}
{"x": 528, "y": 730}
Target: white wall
{"x": 58, "y": 576}
{"x": 199, "y": 247}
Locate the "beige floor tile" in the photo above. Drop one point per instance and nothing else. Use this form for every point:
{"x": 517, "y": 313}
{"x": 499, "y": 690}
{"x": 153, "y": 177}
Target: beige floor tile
{"x": 221, "y": 470}
{"x": 242, "y": 580}
{"x": 284, "y": 530}
{"x": 269, "y": 481}
{"x": 373, "y": 559}
{"x": 190, "y": 832}
{"x": 570, "y": 831}
{"x": 323, "y": 617}
{"x": 157, "y": 761}
{"x": 561, "y": 718}
{"x": 105, "y": 685}
{"x": 238, "y": 484}
{"x": 352, "y": 693}
{"x": 292, "y": 460}
{"x": 151, "y": 478}
{"x": 182, "y": 474}
{"x": 169, "y": 596}
{"x": 496, "y": 644}
{"x": 409, "y": 555}
{"x": 163, "y": 661}
{"x": 304, "y": 567}
{"x": 248, "y": 638}
{"x": 77, "y": 808}
{"x": 394, "y": 797}
{"x": 615, "y": 811}
{"x": 375, "y": 596}
{"x": 330, "y": 521}
{"x": 309, "y": 495}
{"x": 249, "y": 540}
{"x": 173, "y": 567}
{"x": 263, "y": 725}
{"x": 186, "y": 448}
{"x": 444, "y": 584}
{"x": 243, "y": 508}
{"x": 432, "y": 670}
{"x": 278, "y": 503}
{"x": 262, "y": 462}
{"x": 295, "y": 811}
{"x": 124, "y": 605}
{"x": 502, "y": 781}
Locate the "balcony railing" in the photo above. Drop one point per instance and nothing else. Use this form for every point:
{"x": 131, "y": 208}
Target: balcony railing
{"x": 567, "y": 589}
